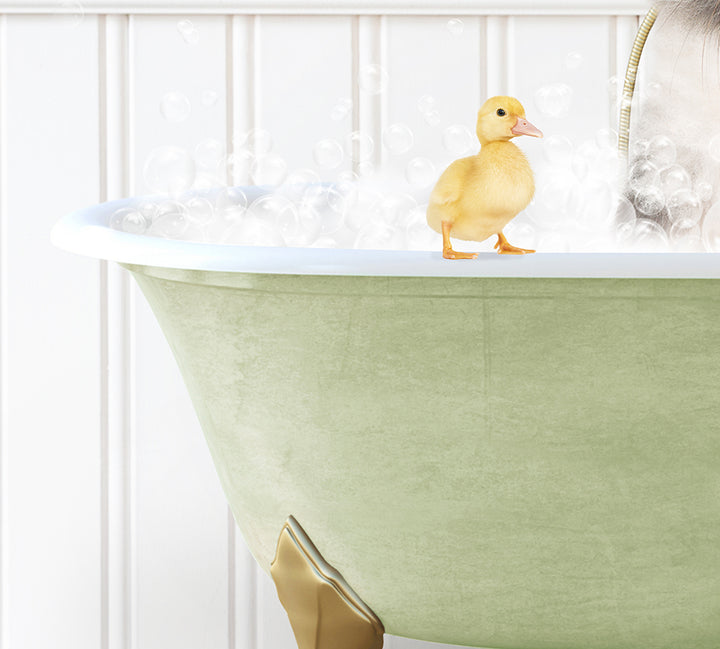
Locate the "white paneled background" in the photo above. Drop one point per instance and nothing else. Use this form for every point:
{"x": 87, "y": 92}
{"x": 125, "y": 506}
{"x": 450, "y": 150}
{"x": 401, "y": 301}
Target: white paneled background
{"x": 114, "y": 530}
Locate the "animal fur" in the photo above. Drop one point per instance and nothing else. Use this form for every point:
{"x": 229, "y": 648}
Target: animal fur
{"x": 699, "y": 15}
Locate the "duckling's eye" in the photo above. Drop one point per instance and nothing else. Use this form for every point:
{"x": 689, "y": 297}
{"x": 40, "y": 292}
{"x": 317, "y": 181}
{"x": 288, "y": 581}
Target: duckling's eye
{"x": 501, "y": 112}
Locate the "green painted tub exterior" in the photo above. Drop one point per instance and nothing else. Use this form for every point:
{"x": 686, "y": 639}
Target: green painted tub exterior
{"x": 495, "y": 462}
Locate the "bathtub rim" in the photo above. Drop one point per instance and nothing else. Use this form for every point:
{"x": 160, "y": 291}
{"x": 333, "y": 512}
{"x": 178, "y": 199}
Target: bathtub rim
{"x": 87, "y": 233}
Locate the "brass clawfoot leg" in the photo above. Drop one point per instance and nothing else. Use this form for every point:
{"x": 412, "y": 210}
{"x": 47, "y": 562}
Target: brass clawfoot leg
{"x": 324, "y": 612}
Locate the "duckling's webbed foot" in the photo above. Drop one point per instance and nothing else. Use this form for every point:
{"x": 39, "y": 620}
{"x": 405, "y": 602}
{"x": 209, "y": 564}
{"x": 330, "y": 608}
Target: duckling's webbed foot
{"x": 448, "y": 252}
{"x": 504, "y": 248}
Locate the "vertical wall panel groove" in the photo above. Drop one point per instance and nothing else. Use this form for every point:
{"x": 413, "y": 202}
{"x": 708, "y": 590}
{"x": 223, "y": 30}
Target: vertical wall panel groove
{"x": 241, "y": 89}
{"x": 497, "y": 66}
{"x": 369, "y": 106}
{"x": 114, "y": 176}
{"x": 254, "y": 117}
{"x": 4, "y": 459}
{"x": 130, "y": 506}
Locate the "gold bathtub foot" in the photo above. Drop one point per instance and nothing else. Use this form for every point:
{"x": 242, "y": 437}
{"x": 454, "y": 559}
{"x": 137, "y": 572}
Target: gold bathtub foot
{"x": 324, "y": 612}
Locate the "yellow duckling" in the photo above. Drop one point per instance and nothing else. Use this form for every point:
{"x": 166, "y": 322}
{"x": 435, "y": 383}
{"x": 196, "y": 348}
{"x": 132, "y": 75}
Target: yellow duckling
{"x": 478, "y": 196}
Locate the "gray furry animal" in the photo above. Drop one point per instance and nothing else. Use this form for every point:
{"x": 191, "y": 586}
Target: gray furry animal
{"x": 673, "y": 173}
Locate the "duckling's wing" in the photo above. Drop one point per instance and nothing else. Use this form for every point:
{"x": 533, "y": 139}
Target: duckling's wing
{"x": 449, "y": 186}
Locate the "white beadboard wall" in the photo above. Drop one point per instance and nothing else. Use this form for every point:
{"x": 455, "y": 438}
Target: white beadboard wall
{"x": 114, "y": 530}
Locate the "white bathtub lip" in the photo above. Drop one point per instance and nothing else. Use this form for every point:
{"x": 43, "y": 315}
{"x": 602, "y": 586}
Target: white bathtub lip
{"x": 86, "y": 232}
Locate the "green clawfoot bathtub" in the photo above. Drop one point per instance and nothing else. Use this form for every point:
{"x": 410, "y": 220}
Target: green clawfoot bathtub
{"x": 507, "y": 453}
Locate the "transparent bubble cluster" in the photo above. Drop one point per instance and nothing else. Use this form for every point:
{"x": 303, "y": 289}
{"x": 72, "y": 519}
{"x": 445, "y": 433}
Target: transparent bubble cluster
{"x": 373, "y": 79}
{"x": 455, "y": 26}
{"x": 398, "y": 138}
{"x": 669, "y": 195}
{"x": 70, "y": 13}
{"x": 578, "y": 205}
{"x": 189, "y": 32}
{"x": 175, "y": 107}
{"x": 554, "y": 100}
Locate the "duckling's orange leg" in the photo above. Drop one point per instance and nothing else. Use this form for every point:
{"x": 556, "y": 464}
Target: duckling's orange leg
{"x": 448, "y": 252}
{"x": 504, "y": 248}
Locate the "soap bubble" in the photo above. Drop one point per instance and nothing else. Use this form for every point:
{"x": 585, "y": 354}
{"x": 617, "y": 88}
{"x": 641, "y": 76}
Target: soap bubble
{"x": 684, "y": 205}
{"x": 673, "y": 178}
{"x": 398, "y": 139}
{"x": 714, "y": 147}
{"x": 324, "y": 242}
{"x": 147, "y": 208}
{"x": 557, "y": 199}
{"x": 130, "y": 220}
{"x": 209, "y": 154}
{"x": 643, "y": 174}
{"x": 238, "y": 164}
{"x": 624, "y": 211}
{"x": 426, "y": 103}
{"x": 580, "y": 167}
{"x": 297, "y": 226}
{"x": 653, "y": 90}
{"x": 346, "y": 180}
{"x": 171, "y": 221}
{"x": 205, "y": 180}
{"x": 394, "y": 209}
{"x": 650, "y": 201}
{"x": 711, "y": 229}
{"x": 557, "y": 149}
{"x": 259, "y": 141}
{"x": 606, "y": 138}
{"x": 648, "y": 236}
{"x": 640, "y": 149}
{"x": 169, "y": 170}
{"x": 253, "y": 231}
{"x": 231, "y": 204}
{"x": 457, "y": 139}
{"x": 704, "y": 190}
{"x": 373, "y": 79}
{"x": 625, "y": 218}
{"x": 432, "y": 117}
{"x": 70, "y": 14}
{"x": 455, "y": 26}
{"x": 614, "y": 88}
{"x": 686, "y": 233}
{"x": 328, "y": 154}
{"x": 359, "y": 146}
{"x": 553, "y": 242}
{"x": 365, "y": 169}
{"x": 573, "y": 60}
{"x": 269, "y": 169}
{"x": 208, "y": 98}
{"x": 329, "y": 203}
{"x": 298, "y": 180}
{"x": 189, "y": 32}
{"x": 359, "y": 203}
{"x": 341, "y": 109}
{"x": 554, "y": 100}
{"x": 661, "y": 151}
{"x": 522, "y": 233}
{"x": 270, "y": 208}
{"x": 419, "y": 235}
{"x": 599, "y": 206}
{"x": 175, "y": 107}
{"x": 378, "y": 236}
{"x": 420, "y": 172}
{"x": 200, "y": 211}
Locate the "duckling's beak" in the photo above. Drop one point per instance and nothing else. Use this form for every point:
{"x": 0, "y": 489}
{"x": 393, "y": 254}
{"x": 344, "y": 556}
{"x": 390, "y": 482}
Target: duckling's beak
{"x": 523, "y": 127}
